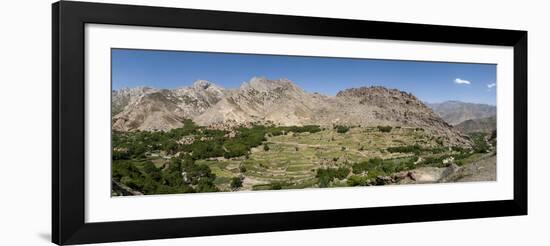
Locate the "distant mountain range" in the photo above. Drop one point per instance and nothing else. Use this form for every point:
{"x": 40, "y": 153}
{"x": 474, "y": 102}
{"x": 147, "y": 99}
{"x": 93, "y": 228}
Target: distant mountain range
{"x": 486, "y": 125}
{"x": 279, "y": 102}
{"x": 455, "y": 112}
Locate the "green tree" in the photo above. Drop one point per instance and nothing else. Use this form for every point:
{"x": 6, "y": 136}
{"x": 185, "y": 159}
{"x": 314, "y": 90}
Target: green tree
{"x": 341, "y": 129}
{"x": 327, "y": 175}
{"x": 236, "y": 183}
{"x": 384, "y": 128}
{"x": 276, "y": 186}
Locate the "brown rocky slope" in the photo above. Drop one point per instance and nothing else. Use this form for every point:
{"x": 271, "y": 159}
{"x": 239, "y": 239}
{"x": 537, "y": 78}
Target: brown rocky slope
{"x": 279, "y": 102}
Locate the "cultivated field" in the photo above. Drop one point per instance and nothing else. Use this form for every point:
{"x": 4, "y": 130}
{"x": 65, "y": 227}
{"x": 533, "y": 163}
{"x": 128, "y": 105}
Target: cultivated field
{"x": 292, "y": 160}
{"x": 197, "y": 159}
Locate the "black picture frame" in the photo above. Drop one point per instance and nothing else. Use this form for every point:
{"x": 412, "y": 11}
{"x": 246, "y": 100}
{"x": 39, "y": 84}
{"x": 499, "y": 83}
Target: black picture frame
{"x": 68, "y": 107}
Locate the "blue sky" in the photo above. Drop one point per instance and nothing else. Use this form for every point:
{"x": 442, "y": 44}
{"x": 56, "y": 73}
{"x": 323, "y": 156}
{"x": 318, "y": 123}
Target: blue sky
{"x": 429, "y": 81}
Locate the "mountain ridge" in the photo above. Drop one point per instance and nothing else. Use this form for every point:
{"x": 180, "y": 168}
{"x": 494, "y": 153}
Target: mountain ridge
{"x": 454, "y": 112}
{"x": 279, "y": 102}
{"x": 485, "y": 125}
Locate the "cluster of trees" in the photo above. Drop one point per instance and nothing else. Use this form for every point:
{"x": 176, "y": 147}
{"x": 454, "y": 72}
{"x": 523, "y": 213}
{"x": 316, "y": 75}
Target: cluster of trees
{"x": 297, "y": 129}
{"x": 480, "y": 142}
{"x": 247, "y": 138}
{"x": 385, "y": 128}
{"x": 458, "y": 149}
{"x": 341, "y": 129}
{"x": 134, "y": 175}
{"x": 434, "y": 161}
{"x": 197, "y": 175}
{"x": 134, "y": 145}
{"x": 371, "y": 164}
{"x": 204, "y": 149}
{"x": 280, "y": 130}
{"x": 356, "y": 180}
{"x": 272, "y": 186}
{"x": 208, "y": 142}
{"x": 437, "y": 160}
{"x": 236, "y": 183}
{"x": 437, "y": 150}
{"x": 181, "y": 176}
{"x": 379, "y": 167}
{"x": 327, "y": 175}
{"x": 416, "y": 149}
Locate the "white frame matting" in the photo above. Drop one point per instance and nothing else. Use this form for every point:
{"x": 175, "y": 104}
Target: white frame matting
{"x": 101, "y": 207}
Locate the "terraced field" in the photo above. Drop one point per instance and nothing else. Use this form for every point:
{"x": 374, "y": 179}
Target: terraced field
{"x": 275, "y": 157}
{"x": 292, "y": 160}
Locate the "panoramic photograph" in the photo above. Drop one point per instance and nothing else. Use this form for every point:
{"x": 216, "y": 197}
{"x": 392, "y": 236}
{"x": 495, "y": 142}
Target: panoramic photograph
{"x": 194, "y": 122}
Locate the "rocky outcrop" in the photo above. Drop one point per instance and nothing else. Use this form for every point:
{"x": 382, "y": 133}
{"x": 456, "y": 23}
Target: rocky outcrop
{"x": 119, "y": 189}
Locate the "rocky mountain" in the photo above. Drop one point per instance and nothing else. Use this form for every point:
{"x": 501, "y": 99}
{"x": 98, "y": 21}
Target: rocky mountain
{"x": 454, "y": 112}
{"x": 381, "y": 106}
{"x": 153, "y": 109}
{"x": 486, "y": 125}
{"x": 262, "y": 100}
{"x": 279, "y": 102}
{"x": 123, "y": 97}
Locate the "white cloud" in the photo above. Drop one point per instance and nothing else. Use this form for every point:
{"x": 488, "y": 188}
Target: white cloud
{"x": 491, "y": 85}
{"x": 462, "y": 81}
